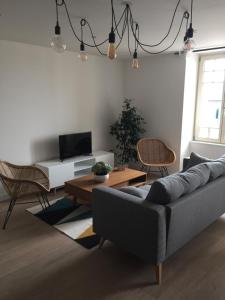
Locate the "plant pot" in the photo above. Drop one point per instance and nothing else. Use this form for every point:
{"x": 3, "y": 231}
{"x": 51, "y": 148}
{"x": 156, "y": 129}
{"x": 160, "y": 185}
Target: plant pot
{"x": 101, "y": 178}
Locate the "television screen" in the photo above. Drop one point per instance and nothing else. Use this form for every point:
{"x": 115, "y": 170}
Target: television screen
{"x": 75, "y": 144}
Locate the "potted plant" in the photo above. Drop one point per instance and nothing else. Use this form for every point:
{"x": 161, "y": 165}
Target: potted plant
{"x": 101, "y": 171}
{"x": 127, "y": 130}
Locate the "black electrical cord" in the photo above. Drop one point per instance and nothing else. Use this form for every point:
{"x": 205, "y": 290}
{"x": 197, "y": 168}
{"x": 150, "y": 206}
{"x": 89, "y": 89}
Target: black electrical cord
{"x": 77, "y": 37}
{"x": 74, "y": 32}
{"x": 93, "y": 38}
{"x": 128, "y": 24}
{"x": 128, "y": 33}
{"x": 191, "y": 10}
{"x": 157, "y": 52}
{"x": 167, "y": 48}
{"x": 170, "y": 27}
{"x": 123, "y": 32}
{"x": 117, "y": 24}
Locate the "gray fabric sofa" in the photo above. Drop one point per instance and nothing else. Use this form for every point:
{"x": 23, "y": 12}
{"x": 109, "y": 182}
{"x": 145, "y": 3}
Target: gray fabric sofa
{"x": 153, "y": 222}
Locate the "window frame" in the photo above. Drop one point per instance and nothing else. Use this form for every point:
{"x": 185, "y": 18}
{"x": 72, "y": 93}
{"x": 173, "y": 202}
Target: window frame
{"x": 221, "y": 139}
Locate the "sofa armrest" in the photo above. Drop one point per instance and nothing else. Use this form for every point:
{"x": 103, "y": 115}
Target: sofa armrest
{"x": 132, "y": 223}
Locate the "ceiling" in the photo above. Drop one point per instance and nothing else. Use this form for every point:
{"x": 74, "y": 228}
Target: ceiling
{"x": 33, "y": 21}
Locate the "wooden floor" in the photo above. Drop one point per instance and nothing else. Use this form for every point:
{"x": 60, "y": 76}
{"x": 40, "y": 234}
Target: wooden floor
{"x": 38, "y": 262}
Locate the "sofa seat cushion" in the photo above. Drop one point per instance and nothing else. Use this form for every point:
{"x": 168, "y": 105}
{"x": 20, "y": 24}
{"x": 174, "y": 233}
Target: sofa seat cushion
{"x": 217, "y": 168}
{"x": 140, "y": 193}
{"x": 171, "y": 188}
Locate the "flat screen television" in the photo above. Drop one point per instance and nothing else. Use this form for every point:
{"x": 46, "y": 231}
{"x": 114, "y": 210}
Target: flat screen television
{"x": 75, "y": 144}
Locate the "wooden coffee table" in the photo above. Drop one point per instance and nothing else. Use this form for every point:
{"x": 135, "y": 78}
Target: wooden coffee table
{"x": 81, "y": 188}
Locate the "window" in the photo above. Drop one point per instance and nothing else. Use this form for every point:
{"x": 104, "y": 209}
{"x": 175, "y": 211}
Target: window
{"x": 210, "y": 112}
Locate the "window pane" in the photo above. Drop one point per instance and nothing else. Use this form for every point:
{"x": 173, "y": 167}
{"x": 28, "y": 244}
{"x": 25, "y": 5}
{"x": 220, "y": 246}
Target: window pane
{"x": 203, "y": 133}
{"x": 214, "y": 134}
{"x": 210, "y": 110}
{"x": 220, "y": 64}
{"x": 214, "y": 64}
{"x": 212, "y": 91}
{"x": 210, "y": 114}
{"x": 209, "y": 65}
{"x": 214, "y": 76}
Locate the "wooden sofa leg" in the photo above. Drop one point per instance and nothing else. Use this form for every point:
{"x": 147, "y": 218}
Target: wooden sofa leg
{"x": 158, "y": 273}
{"x": 101, "y": 243}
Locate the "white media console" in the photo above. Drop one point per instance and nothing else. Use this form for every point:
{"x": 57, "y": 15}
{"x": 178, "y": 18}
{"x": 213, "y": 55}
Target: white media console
{"x": 58, "y": 172}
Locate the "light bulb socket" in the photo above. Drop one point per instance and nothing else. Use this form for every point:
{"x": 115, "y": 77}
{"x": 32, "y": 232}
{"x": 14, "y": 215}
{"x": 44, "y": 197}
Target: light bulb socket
{"x": 190, "y": 31}
{"x": 135, "y": 55}
{"x": 112, "y": 37}
{"x": 82, "y": 48}
{"x": 57, "y": 29}
{"x": 185, "y": 37}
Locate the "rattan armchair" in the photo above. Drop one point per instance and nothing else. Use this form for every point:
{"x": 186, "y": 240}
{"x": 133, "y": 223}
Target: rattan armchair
{"x": 153, "y": 153}
{"x": 20, "y": 181}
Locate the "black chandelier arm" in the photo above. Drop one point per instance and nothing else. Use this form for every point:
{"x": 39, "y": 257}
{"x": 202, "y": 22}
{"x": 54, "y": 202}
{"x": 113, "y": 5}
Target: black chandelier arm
{"x": 191, "y": 10}
{"x": 167, "y": 48}
{"x": 168, "y": 32}
{"x": 57, "y": 4}
{"x": 112, "y": 14}
{"x": 82, "y": 24}
{"x": 137, "y": 35}
{"x": 128, "y": 34}
{"x": 76, "y": 35}
{"x": 125, "y": 24}
{"x": 118, "y": 23}
{"x": 115, "y": 21}
{"x": 93, "y": 38}
{"x": 116, "y": 26}
{"x": 74, "y": 32}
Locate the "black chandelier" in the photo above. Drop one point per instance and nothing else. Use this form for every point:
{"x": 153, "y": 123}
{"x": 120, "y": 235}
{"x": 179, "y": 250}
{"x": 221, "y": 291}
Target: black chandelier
{"x": 125, "y": 25}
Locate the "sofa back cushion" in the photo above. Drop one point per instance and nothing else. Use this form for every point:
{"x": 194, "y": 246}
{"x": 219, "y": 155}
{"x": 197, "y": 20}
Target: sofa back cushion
{"x": 196, "y": 177}
{"x": 221, "y": 159}
{"x": 169, "y": 189}
{"x": 217, "y": 168}
{"x": 195, "y": 159}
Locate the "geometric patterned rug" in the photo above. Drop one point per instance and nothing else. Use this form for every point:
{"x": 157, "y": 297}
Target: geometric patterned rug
{"x": 74, "y": 220}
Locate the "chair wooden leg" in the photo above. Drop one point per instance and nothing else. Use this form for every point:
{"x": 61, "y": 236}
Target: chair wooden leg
{"x": 9, "y": 211}
{"x": 101, "y": 243}
{"x": 158, "y": 273}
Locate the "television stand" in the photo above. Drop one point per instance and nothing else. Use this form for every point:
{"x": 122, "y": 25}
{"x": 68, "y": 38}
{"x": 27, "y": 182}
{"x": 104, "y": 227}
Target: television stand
{"x": 72, "y": 168}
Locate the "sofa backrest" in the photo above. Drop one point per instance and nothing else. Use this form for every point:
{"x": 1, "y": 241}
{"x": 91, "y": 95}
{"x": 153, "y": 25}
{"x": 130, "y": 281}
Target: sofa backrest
{"x": 169, "y": 189}
{"x": 189, "y": 215}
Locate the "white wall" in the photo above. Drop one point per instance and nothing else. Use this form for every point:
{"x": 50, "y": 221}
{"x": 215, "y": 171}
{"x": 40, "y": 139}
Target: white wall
{"x": 44, "y": 94}
{"x": 189, "y": 101}
{"x": 209, "y": 150}
{"x": 158, "y": 88}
